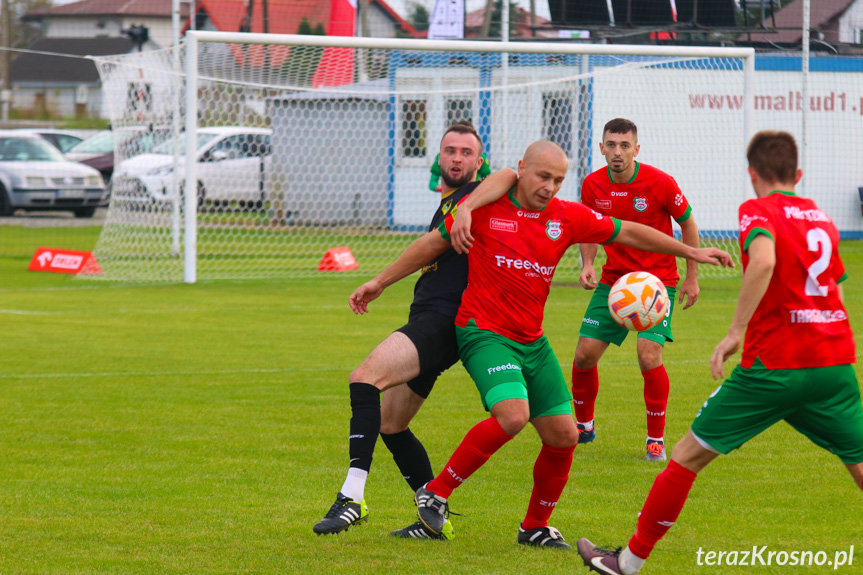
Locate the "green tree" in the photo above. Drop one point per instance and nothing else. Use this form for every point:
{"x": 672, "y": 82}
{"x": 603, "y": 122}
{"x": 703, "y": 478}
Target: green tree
{"x": 24, "y": 33}
{"x": 419, "y": 17}
{"x": 299, "y": 68}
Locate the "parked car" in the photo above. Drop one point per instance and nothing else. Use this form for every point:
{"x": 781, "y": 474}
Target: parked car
{"x": 34, "y": 175}
{"x": 98, "y": 150}
{"x": 232, "y": 161}
{"x": 63, "y": 140}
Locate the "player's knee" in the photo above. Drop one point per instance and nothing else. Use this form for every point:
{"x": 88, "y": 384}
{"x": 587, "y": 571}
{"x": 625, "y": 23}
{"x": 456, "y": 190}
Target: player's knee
{"x": 365, "y": 374}
{"x": 561, "y": 436}
{"x": 649, "y": 354}
{"x": 586, "y": 359}
{"x": 513, "y": 421}
{"x": 358, "y": 376}
{"x": 648, "y": 361}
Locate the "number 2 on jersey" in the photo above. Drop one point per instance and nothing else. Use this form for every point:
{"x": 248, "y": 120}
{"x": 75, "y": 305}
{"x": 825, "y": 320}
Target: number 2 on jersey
{"x": 818, "y": 240}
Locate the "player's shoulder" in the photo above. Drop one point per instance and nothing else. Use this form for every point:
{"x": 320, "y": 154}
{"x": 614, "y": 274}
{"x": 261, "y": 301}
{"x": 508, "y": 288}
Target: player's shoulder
{"x": 597, "y": 176}
{"x": 468, "y": 188}
{"x": 654, "y": 174}
{"x": 461, "y": 193}
{"x": 566, "y": 208}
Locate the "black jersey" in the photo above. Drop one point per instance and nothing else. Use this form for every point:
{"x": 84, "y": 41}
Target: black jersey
{"x": 442, "y": 282}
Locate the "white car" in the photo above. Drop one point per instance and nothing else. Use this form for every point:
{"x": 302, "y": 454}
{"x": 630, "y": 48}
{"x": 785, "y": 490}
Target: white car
{"x": 63, "y": 140}
{"x": 232, "y": 161}
{"x": 34, "y": 175}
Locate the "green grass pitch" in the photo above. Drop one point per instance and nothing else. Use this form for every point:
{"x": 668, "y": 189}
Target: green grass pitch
{"x": 203, "y": 429}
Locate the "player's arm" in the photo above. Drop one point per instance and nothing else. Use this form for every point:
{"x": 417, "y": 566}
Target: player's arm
{"x": 434, "y": 182}
{"x": 587, "y": 277}
{"x": 689, "y": 289}
{"x": 492, "y": 188}
{"x": 423, "y": 250}
{"x": 762, "y": 260}
{"x": 648, "y": 239}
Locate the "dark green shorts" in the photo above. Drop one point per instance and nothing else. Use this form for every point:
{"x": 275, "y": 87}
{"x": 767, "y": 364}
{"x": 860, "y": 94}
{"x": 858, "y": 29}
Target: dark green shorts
{"x": 504, "y": 369}
{"x": 598, "y": 323}
{"x": 822, "y": 403}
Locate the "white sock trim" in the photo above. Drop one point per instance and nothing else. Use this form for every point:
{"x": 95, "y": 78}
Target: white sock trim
{"x": 355, "y": 484}
{"x": 629, "y": 563}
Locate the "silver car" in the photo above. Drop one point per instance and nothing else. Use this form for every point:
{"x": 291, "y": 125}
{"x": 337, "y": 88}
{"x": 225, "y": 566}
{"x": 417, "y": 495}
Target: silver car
{"x": 34, "y": 175}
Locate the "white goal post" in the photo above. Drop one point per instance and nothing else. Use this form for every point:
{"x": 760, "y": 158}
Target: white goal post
{"x": 347, "y": 131}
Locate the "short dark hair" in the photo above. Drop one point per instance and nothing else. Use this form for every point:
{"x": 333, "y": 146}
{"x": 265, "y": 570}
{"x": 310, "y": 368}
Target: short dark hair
{"x": 620, "y": 126}
{"x": 773, "y": 156}
{"x": 464, "y": 127}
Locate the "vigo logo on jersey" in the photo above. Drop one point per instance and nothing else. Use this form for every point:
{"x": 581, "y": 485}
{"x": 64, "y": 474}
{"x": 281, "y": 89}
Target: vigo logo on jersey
{"x": 553, "y": 229}
{"x": 640, "y": 204}
{"x": 619, "y": 194}
{"x": 533, "y": 268}
{"x": 531, "y": 215}
{"x": 603, "y": 204}
{"x": 503, "y": 225}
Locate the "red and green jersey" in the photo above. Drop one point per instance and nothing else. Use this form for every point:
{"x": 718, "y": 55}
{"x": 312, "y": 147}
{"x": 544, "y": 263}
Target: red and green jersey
{"x": 651, "y": 197}
{"x": 514, "y": 255}
{"x": 800, "y": 322}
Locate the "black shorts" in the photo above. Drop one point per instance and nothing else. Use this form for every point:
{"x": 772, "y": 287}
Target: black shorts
{"x": 433, "y": 334}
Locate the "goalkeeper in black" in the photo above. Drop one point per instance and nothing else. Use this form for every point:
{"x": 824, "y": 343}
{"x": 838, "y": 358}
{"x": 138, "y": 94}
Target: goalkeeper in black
{"x": 416, "y": 354}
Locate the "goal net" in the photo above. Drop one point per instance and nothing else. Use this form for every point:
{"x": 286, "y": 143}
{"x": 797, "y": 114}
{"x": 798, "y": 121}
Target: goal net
{"x": 294, "y": 145}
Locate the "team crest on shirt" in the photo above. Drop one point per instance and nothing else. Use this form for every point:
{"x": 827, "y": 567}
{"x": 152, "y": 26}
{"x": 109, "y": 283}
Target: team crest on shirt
{"x": 446, "y": 207}
{"x": 640, "y": 204}
{"x": 553, "y": 229}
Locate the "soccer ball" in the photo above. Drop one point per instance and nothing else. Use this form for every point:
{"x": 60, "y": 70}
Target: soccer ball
{"x": 638, "y": 301}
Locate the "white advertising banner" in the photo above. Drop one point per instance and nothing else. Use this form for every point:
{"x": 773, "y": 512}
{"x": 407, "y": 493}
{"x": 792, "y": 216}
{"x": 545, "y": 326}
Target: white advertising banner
{"x": 447, "y": 20}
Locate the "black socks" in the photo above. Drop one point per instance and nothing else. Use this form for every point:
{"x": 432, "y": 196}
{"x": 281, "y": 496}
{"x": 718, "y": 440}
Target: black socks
{"x": 365, "y": 424}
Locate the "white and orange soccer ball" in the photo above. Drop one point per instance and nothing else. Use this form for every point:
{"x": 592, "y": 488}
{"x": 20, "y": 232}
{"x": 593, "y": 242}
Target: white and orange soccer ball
{"x": 638, "y": 301}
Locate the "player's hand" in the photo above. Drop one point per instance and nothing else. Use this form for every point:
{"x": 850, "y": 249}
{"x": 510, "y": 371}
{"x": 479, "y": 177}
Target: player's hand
{"x": 689, "y": 291}
{"x": 713, "y": 256}
{"x": 587, "y": 277}
{"x": 459, "y": 234}
{"x": 726, "y": 348}
{"x": 365, "y": 294}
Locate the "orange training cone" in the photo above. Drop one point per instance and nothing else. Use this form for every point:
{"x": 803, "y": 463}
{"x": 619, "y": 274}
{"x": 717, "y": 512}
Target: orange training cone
{"x": 338, "y": 260}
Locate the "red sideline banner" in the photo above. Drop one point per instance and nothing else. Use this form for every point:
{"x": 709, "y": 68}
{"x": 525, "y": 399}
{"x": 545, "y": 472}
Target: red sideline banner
{"x": 64, "y": 262}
